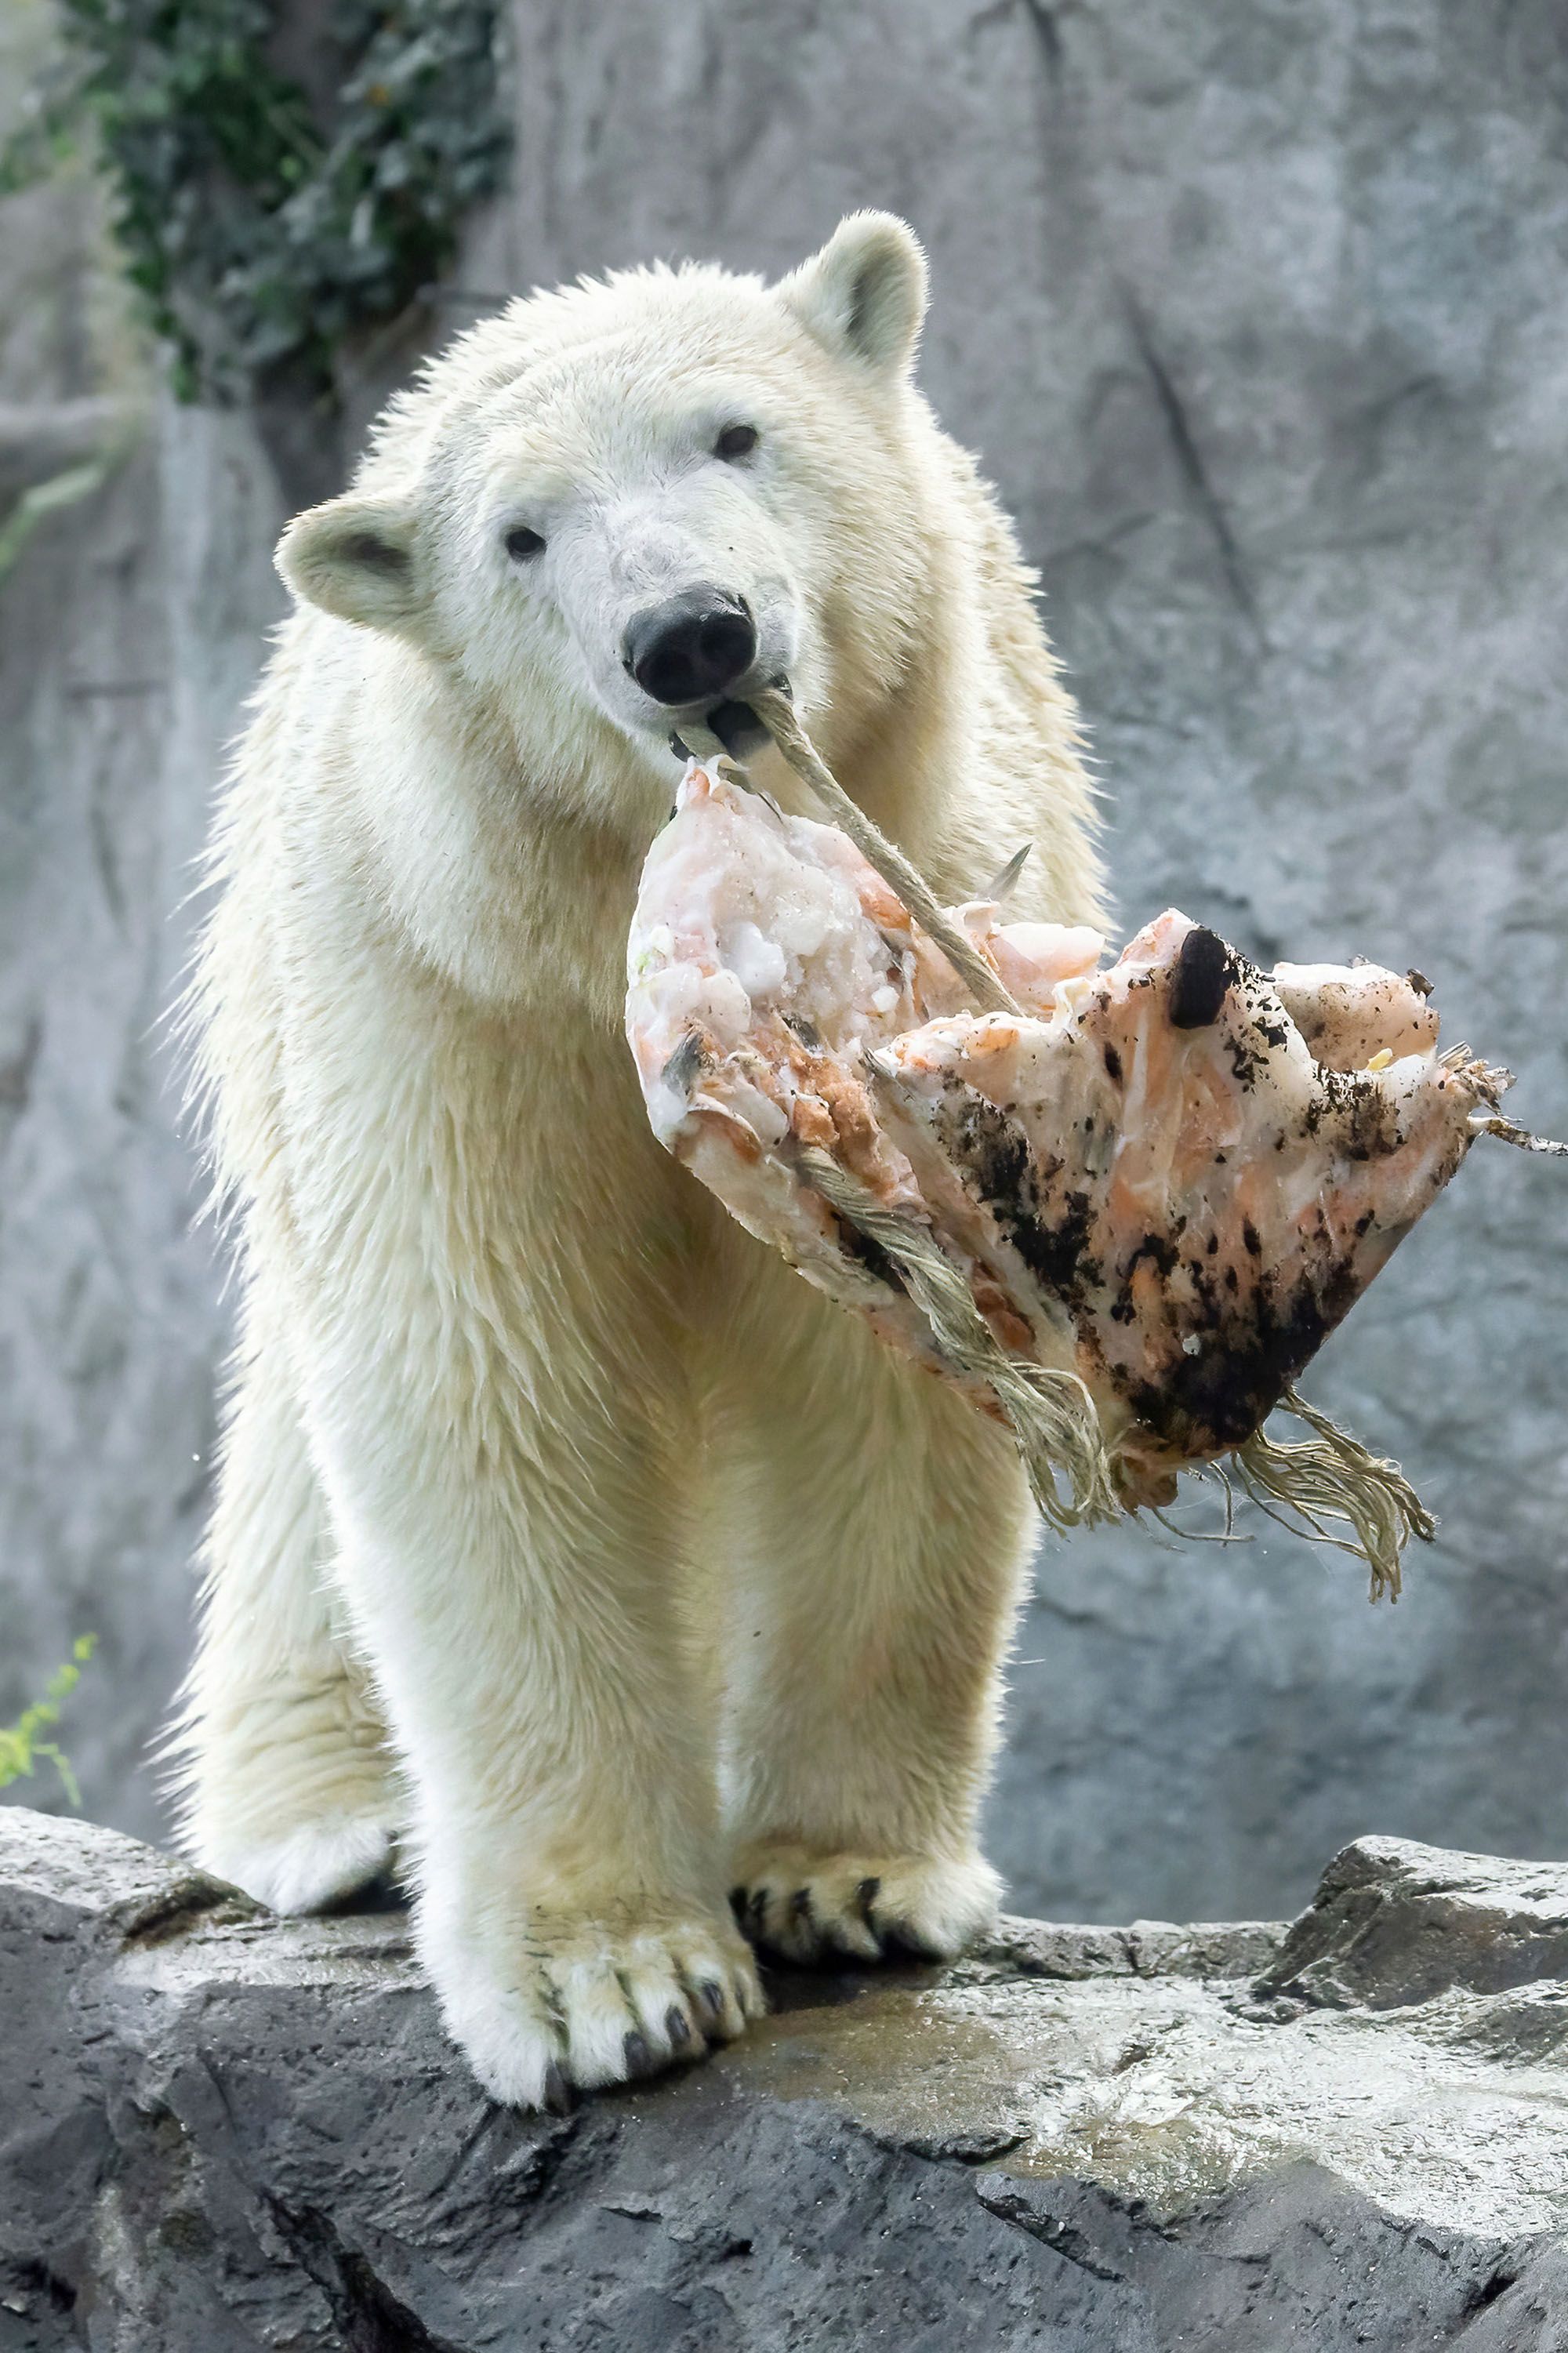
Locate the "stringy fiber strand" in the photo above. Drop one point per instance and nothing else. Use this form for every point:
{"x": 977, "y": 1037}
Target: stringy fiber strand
{"x": 1333, "y": 1476}
{"x": 1051, "y": 1412}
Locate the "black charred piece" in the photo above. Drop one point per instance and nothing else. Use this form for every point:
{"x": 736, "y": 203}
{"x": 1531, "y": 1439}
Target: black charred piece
{"x": 1204, "y": 972}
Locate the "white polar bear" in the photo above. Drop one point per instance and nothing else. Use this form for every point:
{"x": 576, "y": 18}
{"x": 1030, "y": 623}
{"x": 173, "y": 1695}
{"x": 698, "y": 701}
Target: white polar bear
{"x": 564, "y": 1536}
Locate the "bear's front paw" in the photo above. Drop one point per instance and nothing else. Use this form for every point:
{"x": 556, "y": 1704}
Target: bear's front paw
{"x": 808, "y": 1905}
{"x": 566, "y": 2003}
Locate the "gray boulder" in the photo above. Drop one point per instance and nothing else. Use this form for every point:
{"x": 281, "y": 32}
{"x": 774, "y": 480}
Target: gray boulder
{"x": 1394, "y": 1923}
{"x": 220, "y": 2131}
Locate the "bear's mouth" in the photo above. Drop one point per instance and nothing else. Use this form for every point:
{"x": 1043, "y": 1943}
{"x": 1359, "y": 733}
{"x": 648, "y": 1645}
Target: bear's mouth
{"x": 733, "y": 725}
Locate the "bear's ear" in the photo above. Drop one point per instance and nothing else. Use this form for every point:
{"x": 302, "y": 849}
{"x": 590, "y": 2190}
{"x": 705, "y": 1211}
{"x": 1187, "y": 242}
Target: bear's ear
{"x": 357, "y": 558}
{"x": 865, "y": 293}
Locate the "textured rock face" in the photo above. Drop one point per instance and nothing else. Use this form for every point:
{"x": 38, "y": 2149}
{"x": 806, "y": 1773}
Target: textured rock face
{"x": 131, "y": 626}
{"x": 135, "y": 581}
{"x": 1393, "y": 1923}
{"x": 221, "y": 2132}
{"x": 1254, "y": 315}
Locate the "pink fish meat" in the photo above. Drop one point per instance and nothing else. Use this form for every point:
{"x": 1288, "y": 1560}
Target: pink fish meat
{"x": 1168, "y": 1177}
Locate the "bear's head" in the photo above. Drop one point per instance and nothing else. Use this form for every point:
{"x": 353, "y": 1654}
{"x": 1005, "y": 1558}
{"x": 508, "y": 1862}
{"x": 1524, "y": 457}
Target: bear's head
{"x": 633, "y": 500}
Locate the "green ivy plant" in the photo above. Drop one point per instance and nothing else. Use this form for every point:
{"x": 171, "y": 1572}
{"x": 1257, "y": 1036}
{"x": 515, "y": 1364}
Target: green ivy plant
{"x": 260, "y": 237}
{"x": 20, "y": 1745}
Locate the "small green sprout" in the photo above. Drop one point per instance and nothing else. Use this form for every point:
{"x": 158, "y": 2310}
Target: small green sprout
{"x": 20, "y": 1746}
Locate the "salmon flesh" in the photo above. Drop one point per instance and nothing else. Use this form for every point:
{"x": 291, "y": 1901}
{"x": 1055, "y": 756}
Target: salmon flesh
{"x": 1168, "y": 1177}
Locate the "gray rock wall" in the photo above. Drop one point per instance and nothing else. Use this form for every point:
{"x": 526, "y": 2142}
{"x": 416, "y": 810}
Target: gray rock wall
{"x": 1255, "y": 314}
{"x": 134, "y": 585}
{"x": 131, "y": 625}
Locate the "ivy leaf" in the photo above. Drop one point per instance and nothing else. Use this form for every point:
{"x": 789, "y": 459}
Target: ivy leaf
{"x": 258, "y": 237}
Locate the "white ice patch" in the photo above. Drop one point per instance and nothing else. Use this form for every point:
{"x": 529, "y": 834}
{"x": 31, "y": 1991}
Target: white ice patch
{"x": 681, "y": 997}
{"x": 759, "y": 964}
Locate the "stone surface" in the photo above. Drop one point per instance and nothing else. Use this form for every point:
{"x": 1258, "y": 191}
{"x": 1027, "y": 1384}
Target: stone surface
{"x": 1393, "y": 1923}
{"x": 1254, "y": 314}
{"x": 129, "y": 624}
{"x": 130, "y": 612}
{"x": 220, "y": 2132}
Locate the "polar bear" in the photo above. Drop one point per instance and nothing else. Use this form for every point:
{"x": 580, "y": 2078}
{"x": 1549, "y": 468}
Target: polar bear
{"x": 566, "y": 1543}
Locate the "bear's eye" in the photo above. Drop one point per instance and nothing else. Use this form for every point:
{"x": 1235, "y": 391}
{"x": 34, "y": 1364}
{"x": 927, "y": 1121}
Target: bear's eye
{"x": 522, "y": 543}
{"x": 736, "y": 441}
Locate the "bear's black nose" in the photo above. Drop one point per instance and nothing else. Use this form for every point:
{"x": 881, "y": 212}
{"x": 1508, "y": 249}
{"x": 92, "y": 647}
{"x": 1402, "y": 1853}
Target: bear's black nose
{"x": 693, "y": 648}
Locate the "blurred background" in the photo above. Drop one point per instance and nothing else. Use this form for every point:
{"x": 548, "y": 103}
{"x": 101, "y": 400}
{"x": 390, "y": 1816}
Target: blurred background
{"x": 1256, "y": 313}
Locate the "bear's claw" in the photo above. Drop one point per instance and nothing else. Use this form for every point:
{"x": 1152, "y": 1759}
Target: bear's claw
{"x": 809, "y": 1907}
{"x": 566, "y": 2005}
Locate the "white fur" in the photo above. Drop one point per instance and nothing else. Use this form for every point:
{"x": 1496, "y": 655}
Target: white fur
{"x": 565, "y": 1536}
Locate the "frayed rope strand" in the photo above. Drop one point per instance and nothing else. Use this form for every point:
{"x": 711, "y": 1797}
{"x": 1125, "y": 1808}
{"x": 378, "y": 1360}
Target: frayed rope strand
{"x": 1051, "y": 1413}
{"x": 1333, "y": 1476}
{"x": 777, "y": 715}
{"x": 1508, "y": 1131}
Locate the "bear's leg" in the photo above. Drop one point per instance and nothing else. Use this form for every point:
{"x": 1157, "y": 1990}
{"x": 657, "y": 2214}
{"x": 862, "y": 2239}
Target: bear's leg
{"x": 286, "y": 1778}
{"x": 513, "y": 1552}
{"x": 877, "y": 1530}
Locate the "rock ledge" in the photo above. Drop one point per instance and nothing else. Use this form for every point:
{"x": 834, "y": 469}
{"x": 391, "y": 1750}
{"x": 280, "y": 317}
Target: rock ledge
{"x": 221, "y": 2132}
